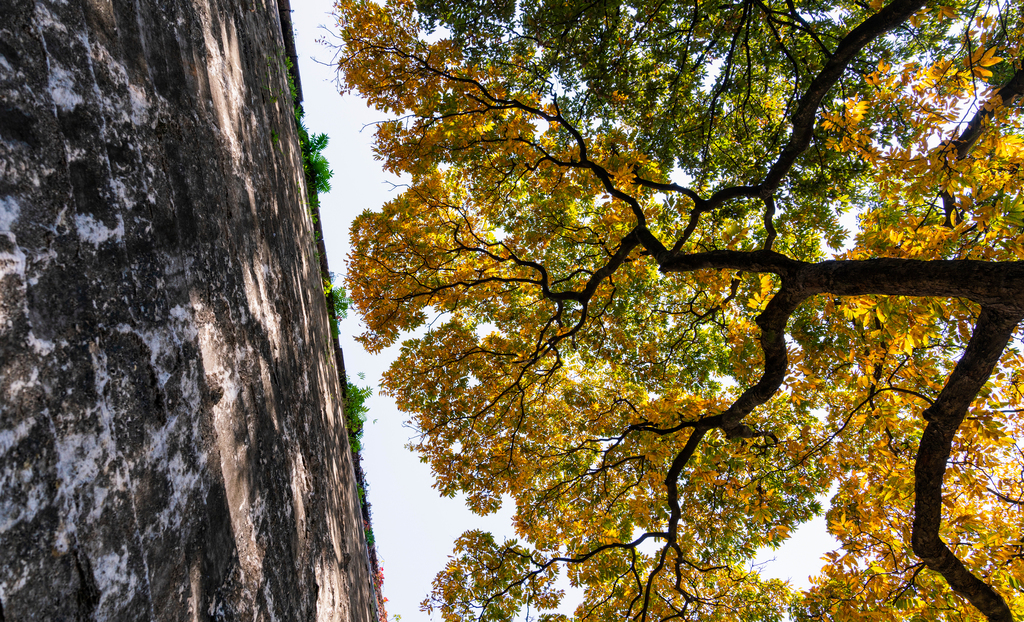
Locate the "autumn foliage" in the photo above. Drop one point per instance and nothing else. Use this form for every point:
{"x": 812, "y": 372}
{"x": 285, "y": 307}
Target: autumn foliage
{"x": 686, "y": 268}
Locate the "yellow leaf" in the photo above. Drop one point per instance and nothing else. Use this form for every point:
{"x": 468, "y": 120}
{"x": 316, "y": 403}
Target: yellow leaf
{"x": 988, "y": 59}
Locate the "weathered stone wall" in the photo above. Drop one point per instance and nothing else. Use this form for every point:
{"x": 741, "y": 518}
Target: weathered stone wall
{"x": 172, "y": 444}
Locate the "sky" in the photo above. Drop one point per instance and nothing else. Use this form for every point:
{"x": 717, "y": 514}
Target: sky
{"x": 415, "y": 527}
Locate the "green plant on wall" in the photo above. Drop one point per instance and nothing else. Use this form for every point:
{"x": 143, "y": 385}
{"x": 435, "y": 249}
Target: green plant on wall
{"x": 314, "y": 164}
{"x": 355, "y": 411}
{"x": 318, "y": 175}
{"x": 338, "y": 304}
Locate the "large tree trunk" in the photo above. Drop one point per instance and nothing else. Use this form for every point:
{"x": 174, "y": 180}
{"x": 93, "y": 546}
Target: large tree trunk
{"x": 172, "y": 442}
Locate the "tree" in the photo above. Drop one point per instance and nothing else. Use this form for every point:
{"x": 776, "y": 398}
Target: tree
{"x": 651, "y": 329}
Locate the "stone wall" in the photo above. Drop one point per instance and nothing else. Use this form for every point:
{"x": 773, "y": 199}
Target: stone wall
{"x": 172, "y": 445}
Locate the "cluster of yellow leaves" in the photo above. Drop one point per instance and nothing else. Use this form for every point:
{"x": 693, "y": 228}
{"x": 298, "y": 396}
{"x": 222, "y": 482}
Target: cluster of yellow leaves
{"x": 871, "y": 515}
{"x": 473, "y": 584}
{"x": 935, "y": 104}
{"x": 847, "y": 123}
{"x": 874, "y": 407}
{"x": 981, "y": 60}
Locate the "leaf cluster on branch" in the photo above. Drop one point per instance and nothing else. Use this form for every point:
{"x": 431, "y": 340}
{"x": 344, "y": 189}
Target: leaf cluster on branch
{"x": 693, "y": 265}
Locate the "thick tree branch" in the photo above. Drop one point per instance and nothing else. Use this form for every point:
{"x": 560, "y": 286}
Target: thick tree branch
{"x": 959, "y": 148}
{"x": 988, "y": 283}
{"x": 806, "y": 112}
{"x": 769, "y": 223}
{"x": 1005, "y": 96}
{"x": 772, "y": 322}
{"x": 992, "y": 333}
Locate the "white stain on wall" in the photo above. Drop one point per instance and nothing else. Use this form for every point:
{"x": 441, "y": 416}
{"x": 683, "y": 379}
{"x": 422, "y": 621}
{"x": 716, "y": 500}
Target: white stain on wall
{"x": 95, "y": 232}
{"x": 9, "y": 212}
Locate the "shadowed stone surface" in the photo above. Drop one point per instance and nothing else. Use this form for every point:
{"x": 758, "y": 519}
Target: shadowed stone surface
{"x": 172, "y": 445}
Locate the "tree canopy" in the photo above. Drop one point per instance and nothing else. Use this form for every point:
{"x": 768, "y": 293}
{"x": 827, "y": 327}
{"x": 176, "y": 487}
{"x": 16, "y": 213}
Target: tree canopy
{"x": 691, "y": 268}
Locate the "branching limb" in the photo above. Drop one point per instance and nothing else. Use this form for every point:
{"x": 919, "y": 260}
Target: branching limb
{"x": 958, "y": 149}
{"x": 1007, "y": 94}
{"x": 772, "y": 322}
{"x": 803, "y": 117}
{"x": 891, "y": 16}
{"x": 992, "y": 333}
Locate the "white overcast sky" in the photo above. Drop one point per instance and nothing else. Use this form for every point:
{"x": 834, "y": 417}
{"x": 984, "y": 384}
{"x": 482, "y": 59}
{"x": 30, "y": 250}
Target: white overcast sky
{"x": 414, "y": 526}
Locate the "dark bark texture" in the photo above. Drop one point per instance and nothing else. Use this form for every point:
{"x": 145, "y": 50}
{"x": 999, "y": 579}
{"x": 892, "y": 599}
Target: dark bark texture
{"x": 172, "y": 442}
